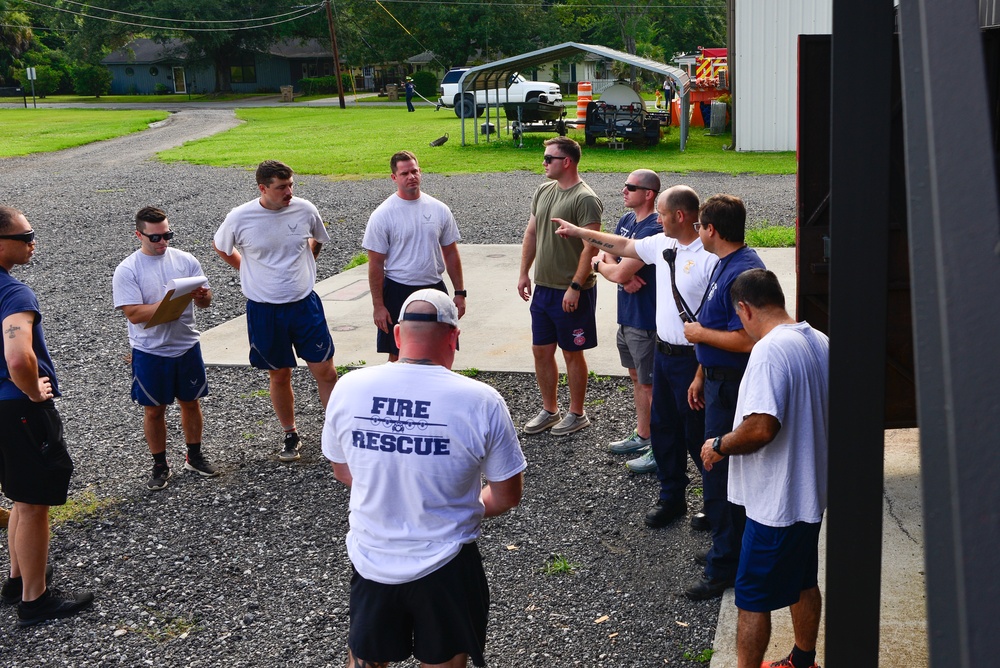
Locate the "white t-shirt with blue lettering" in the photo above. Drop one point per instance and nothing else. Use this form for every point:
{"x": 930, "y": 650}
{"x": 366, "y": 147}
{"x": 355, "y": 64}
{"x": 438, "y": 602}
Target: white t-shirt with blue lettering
{"x": 418, "y": 439}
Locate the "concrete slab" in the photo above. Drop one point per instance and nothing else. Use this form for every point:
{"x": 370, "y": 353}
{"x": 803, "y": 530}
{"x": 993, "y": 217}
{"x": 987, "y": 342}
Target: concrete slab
{"x": 496, "y": 330}
{"x": 903, "y": 627}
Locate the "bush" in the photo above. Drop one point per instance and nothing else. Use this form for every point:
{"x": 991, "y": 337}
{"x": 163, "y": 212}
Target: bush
{"x": 47, "y": 80}
{"x": 160, "y": 88}
{"x": 426, "y": 83}
{"x": 348, "y": 81}
{"x": 91, "y": 80}
{"x": 318, "y": 85}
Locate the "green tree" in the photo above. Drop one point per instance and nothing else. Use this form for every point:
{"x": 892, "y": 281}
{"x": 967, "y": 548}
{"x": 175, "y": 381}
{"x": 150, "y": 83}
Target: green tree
{"x": 15, "y": 39}
{"x": 47, "y": 80}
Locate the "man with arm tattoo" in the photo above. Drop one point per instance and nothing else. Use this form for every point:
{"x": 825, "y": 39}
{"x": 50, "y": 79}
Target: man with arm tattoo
{"x": 35, "y": 466}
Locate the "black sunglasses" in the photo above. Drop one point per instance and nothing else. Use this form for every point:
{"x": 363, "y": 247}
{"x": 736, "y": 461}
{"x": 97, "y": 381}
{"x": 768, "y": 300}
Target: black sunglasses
{"x": 549, "y": 158}
{"x": 26, "y": 237}
{"x": 631, "y": 187}
{"x": 156, "y": 238}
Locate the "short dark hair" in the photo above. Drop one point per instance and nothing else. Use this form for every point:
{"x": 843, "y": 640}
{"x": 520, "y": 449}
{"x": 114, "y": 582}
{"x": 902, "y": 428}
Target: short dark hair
{"x": 727, "y": 214}
{"x": 569, "y": 147}
{"x": 758, "y": 288}
{"x": 7, "y": 216}
{"x": 681, "y": 197}
{"x": 149, "y": 214}
{"x": 270, "y": 170}
{"x": 401, "y": 156}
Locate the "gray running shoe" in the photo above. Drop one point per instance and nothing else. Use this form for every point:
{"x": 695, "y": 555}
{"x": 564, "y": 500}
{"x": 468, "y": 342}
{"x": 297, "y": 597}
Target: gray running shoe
{"x": 571, "y": 423}
{"x": 544, "y": 420}
{"x": 643, "y": 464}
{"x": 633, "y": 443}
{"x": 200, "y": 465}
{"x": 290, "y": 449}
{"x": 157, "y": 481}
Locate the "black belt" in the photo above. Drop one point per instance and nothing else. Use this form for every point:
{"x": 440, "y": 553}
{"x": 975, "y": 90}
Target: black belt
{"x": 669, "y": 349}
{"x": 723, "y": 373}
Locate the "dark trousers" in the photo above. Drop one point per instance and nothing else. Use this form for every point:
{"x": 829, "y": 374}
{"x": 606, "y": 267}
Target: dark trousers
{"x": 674, "y": 429}
{"x": 726, "y": 519}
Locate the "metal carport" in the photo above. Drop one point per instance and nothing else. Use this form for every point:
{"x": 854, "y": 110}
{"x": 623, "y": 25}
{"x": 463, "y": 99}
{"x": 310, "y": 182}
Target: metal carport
{"x": 492, "y": 75}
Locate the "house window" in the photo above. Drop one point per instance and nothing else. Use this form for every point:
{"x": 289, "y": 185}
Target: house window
{"x": 153, "y": 71}
{"x": 242, "y": 69}
{"x": 129, "y": 72}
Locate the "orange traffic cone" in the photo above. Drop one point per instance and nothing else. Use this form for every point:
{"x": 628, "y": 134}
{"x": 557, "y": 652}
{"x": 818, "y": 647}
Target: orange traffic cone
{"x": 675, "y": 113}
{"x": 696, "y": 119}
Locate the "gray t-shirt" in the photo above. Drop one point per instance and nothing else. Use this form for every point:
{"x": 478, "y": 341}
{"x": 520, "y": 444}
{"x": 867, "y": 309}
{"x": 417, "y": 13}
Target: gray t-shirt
{"x": 278, "y": 266}
{"x": 142, "y": 279}
{"x": 410, "y": 233}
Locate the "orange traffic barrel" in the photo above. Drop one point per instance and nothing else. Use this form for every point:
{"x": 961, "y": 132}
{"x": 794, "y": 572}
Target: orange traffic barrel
{"x": 584, "y": 89}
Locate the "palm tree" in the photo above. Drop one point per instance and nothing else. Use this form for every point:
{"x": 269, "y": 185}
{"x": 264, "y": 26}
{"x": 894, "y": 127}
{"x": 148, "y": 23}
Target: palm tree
{"x": 15, "y": 38}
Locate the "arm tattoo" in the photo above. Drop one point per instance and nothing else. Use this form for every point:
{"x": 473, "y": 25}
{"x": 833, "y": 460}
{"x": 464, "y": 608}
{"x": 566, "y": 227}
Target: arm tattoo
{"x": 599, "y": 244}
{"x": 12, "y": 331}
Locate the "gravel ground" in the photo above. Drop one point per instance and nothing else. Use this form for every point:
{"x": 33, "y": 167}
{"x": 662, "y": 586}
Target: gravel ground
{"x": 249, "y": 569}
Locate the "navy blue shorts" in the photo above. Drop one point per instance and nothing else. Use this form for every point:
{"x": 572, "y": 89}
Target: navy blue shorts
{"x": 274, "y": 328}
{"x": 35, "y": 466}
{"x": 550, "y": 324}
{"x": 434, "y": 618}
{"x": 157, "y": 381}
{"x": 393, "y": 296}
{"x": 776, "y": 565}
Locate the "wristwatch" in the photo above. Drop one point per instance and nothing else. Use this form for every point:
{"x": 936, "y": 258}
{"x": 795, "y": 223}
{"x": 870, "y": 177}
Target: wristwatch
{"x": 717, "y": 446}
{"x": 576, "y": 286}
{"x": 461, "y": 293}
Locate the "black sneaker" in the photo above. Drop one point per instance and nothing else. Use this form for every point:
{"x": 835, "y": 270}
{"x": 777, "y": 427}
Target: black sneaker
{"x": 10, "y": 593}
{"x": 53, "y": 604}
{"x": 157, "y": 481}
{"x": 290, "y": 450}
{"x": 200, "y": 465}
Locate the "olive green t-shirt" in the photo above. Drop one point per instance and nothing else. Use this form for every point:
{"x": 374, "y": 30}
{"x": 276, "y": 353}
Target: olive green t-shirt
{"x": 556, "y": 258}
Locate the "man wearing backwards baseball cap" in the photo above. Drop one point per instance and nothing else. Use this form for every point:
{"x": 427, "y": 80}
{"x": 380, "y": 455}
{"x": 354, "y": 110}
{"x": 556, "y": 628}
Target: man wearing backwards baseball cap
{"x": 412, "y": 440}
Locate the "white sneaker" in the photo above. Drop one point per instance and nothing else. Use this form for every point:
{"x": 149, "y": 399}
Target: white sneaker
{"x": 571, "y": 423}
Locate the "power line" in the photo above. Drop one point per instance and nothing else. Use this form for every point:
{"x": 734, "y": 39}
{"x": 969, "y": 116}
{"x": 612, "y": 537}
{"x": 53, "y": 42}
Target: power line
{"x": 480, "y": 3}
{"x": 195, "y": 21}
{"x": 303, "y": 14}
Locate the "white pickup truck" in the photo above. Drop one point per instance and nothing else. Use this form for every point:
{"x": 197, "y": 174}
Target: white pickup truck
{"x": 518, "y": 89}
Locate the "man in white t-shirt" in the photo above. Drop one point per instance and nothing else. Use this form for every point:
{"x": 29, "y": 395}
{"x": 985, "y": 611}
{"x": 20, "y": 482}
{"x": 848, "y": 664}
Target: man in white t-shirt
{"x": 413, "y": 441}
{"x": 273, "y": 241}
{"x": 411, "y": 239}
{"x": 166, "y": 358}
{"x": 778, "y": 470}
{"x": 676, "y": 430}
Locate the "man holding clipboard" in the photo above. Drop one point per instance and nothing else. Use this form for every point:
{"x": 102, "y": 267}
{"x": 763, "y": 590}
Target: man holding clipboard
{"x": 166, "y": 354}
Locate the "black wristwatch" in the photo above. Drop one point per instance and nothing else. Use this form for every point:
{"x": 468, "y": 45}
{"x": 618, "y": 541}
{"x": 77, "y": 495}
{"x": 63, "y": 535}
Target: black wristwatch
{"x": 717, "y": 446}
{"x": 461, "y": 293}
{"x": 576, "y": 286}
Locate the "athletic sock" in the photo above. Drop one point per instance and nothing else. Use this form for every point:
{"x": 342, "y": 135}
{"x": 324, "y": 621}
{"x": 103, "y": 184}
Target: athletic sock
{"x": 160, "y": 458}
{"x": 801, "y": 658}
{"x": 194, "y": 449}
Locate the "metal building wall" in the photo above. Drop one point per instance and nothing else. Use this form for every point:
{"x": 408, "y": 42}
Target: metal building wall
{"x": 989, "y": 13}
{"x": 766, "y": 45}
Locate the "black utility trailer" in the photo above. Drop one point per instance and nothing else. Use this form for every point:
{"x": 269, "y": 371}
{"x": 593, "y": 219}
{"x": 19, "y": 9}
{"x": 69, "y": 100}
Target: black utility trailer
{"x": 535, "y": 116}
{"x": 619, "y": 123}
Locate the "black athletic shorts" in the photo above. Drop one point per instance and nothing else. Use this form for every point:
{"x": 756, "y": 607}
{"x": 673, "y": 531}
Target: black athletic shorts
{"x": 394, "y": 296}
{"x": 434, "y": 618}
{"x": 34, "y": 464}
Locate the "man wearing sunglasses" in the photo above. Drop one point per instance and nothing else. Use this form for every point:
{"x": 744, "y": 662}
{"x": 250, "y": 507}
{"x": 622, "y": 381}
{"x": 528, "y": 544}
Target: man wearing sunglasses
{"x": 166, "y": 358}
{"x": 35, "y": 466}
{"x": 273, "y": 241}
{"x": 563, "y": 308}
{"x": 636, "y": 308}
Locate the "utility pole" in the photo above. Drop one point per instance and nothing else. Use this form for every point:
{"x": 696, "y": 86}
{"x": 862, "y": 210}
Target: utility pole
{"x": 336, "y": 53}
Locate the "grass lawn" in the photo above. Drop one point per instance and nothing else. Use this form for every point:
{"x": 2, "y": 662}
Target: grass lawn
{"x": 24, "y": 131}
{"x": 357, "y": 143}
{"x": 173, "y": 98}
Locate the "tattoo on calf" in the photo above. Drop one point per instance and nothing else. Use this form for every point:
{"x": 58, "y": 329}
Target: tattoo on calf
{"x": 12, "y": 331}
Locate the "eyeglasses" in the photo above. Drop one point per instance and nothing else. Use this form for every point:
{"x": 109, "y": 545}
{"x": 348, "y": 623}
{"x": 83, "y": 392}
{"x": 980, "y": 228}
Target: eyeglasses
{"x": 27, "y": 237}
{"x": 631, "y": 187}
{"x": 700, "y": 224}
{"x": 549, "y": 158}
{"x": 156, "y": 238}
